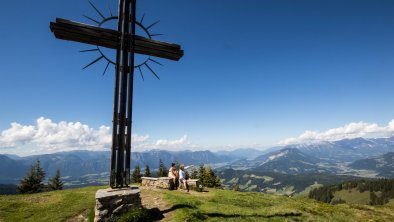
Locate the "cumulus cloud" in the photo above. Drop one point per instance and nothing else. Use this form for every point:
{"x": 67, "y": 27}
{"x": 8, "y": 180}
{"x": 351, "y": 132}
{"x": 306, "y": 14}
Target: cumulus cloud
{"x": 17, "y": 133}
{"x": 178, "y": 143}
{"x": 349, "y": 131}
{"x": 47, "y": 136}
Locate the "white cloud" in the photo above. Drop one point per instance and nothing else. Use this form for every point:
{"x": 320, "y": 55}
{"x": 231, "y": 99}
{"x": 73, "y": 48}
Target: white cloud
{"x": 139, "y": 139}
{"x": 349, "y": 131}
{"x": 46, "y": 136}
{"x": 178, "y": 143}
{"x": 17, "y": 133}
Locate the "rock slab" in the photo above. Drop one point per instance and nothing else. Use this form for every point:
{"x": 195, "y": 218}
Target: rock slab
{"x": 161, "y": 182}
{"x": 114, "y": 202}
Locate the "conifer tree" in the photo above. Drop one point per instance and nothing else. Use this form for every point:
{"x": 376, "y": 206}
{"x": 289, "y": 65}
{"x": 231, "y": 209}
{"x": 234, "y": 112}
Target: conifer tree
{"x": 162, "y": 170}
{"x": 137, "y": 175}
{"x": 32, "y": 182}
{"x": 55, "y": 182}
{"x": 373, "y": 199}
{"x": 210, "y": 179}
{"x": 201, "y": 174}
{"x": 147, "y": 171}
{"x": 218, "y": 181}
{"x": 177, "y": 165}
{"x": 236, "y": 188}
{"x": 194, "y": 174}
{"x": 207, "y": 176}
{"x": 187, "y": 174}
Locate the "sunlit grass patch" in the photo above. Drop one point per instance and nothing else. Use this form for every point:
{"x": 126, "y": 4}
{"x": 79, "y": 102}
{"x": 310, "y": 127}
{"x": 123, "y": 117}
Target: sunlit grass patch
{"x": 48, "y": 206}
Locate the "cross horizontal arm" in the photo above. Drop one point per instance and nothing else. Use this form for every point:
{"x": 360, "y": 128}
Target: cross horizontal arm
{"x": 78, "y": 32}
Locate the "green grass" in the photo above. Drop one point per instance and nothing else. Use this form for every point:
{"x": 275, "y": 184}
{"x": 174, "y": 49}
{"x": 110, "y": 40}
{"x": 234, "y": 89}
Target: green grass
{"x": 353, "y": 196}
{"x": 224, "y": 205}
{"x": 305, "y": 192}
{"x": 48, "y": 206}
{"x": 213, "y": 205}
{"x": 391, "y": 203}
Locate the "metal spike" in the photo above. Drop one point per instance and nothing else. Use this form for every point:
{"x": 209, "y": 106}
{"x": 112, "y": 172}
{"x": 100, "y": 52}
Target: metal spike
{"x": 150, "y": 59}
{"x": 142, "y": 19}
{"x": 98, "y": 59}
{"x": 152, "y": 25}
{"x": 110, "y": 11}
{"x": 142, "y": 75}
{"x": 153, "y": 72}
{"x": 156, "y": 34}
{"x": 105, "y": 70}
{"x": 95, "y": 21}
{"x": 102, "y": 16}
{"x": 89, "y": 50}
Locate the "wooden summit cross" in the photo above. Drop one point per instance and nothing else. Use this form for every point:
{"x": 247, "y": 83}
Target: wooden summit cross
{"x": 126, "y": 43}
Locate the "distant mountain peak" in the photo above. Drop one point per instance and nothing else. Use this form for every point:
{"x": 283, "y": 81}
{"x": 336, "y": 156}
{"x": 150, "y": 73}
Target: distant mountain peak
{"x": 287, "y": 161}
{"x": 347, "y": 150}
{"x": 282, "y": 153}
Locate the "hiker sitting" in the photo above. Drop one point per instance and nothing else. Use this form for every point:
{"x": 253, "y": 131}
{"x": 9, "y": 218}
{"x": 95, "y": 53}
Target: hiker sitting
{"x": 183, "y": 178}
{"x": 173, "y": 174}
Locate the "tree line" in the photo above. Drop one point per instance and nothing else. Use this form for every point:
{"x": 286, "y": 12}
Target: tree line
{"x": 33, "y": 182}
{"x": 381, "y": 191}
{"x": 205, "y": 175}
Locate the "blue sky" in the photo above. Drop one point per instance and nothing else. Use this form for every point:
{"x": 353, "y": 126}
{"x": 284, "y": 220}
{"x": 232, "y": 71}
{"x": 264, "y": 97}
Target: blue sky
{"x": 255, "y": 72}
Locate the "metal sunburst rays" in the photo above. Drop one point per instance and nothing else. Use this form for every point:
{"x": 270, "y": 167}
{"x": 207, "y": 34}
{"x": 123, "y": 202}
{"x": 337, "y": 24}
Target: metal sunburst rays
{"x": 146, "y": 29}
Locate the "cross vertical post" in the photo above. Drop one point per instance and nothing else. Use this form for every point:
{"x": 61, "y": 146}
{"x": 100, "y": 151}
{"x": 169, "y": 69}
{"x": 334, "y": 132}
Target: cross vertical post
{"x": 130, "y": 92}
{"x": 121, "y": 145}
{"x": 126, "y": 43}
{"x": 115, "y": 120}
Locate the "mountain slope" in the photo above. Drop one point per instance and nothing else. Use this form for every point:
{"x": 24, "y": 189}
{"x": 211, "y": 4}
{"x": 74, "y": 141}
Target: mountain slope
{"x": 11, "y": 171}
{"x": 284, "y": 184}
{"x": 288, "y": 161}
{"x": 383, "y": 164}
{"x": 370, "y": 192}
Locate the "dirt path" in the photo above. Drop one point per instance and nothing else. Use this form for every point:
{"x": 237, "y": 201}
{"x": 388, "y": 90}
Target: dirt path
{"x": 153, "y": 199}
{"x": 82, "y": 217}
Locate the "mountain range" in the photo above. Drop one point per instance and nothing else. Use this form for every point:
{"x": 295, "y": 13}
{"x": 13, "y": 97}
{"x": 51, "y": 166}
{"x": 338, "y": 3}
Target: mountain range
{"x": 77, "y": 164}
{"x": 374, "y": 159}
{"x": 347, "y": 150}
{"x": 354, "y": 157}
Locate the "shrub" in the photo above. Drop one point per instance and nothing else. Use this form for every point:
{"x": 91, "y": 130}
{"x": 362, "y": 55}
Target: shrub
{"x": 338, "y": 201}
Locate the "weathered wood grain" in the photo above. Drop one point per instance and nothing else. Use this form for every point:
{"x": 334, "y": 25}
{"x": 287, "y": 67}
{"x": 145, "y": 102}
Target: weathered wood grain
{"x": 79, "y": 32}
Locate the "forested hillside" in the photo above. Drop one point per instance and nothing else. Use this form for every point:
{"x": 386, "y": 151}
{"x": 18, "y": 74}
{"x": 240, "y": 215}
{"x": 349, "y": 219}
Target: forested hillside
{"x": 372, "y": 192}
